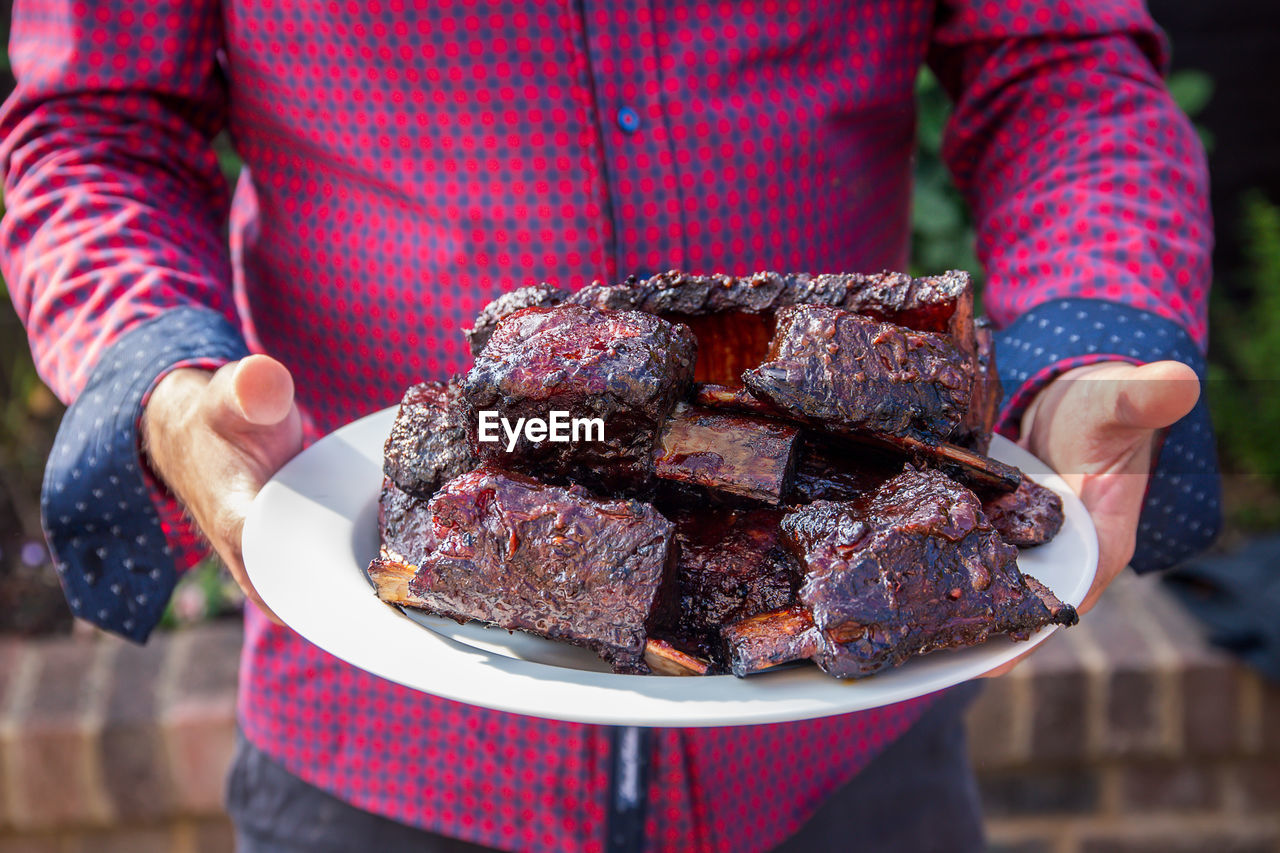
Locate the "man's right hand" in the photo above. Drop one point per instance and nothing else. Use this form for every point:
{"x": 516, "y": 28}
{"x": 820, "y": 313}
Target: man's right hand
{"x": 216, "y": 438}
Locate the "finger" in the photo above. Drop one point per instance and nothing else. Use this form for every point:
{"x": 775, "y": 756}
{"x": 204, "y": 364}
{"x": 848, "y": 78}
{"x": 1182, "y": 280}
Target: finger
{"x": 256, "y": 391}
{"x": 263, "y": 389}
{"x": 1154, "y": 396}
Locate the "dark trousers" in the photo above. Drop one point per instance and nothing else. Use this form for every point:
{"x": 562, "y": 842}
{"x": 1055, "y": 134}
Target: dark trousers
{"x": 917, "y": 796}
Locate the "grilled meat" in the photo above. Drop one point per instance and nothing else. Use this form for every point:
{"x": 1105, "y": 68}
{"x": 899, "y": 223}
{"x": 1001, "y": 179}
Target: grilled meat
{"x": 1030, "y": 516}
{"x": 982, "y": 473}
{"x": 626, "y": 368}
{"x": 767, "y": 640}
{"x": 403, "y": 521}
{"x": 732, "y": 316}
{"x": 429, "y": 442}
{"x": 824, "y": 541}
{"x": 836, "y": 472}
{"x": 912, "y": 567}
{"x": 974, "y": 430}
{"x": 849, "y": 374}
{"x": 509, "y": 303}
{"x": 510, "y": 551}
{"x": 733, "y": 564}
{"x": 942, "y": 303}
{"x": 728, "y": 453}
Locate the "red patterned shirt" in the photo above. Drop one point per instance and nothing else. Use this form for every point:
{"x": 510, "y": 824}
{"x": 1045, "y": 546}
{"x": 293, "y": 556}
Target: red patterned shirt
{"x": 407, "y": 161}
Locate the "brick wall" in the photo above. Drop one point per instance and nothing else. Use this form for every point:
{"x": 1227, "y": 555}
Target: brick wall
{"x": 108, "y": 746}
{"x": 1126, "y": 733}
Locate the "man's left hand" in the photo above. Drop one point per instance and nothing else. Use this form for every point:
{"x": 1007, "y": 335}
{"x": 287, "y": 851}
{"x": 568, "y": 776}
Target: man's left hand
{"x": 1097, "y": 427}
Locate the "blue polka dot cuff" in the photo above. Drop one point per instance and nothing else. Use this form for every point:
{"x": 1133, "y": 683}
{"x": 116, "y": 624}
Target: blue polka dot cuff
{"x": 99, "y": 509}
{"x": 1182, "y": 513}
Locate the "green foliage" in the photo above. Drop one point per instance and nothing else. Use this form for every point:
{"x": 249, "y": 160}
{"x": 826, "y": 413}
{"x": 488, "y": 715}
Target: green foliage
{"x": 1192, "y": 90}
{"x": 228, "y": 159}
{"x": 941, "y": 228}
{"x": 1244, "y": 370}
{"x": 205, "y": 592}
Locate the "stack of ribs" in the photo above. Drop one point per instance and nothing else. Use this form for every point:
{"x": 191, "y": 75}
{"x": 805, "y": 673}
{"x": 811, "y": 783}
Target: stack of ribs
{"x": 791, "y": 468}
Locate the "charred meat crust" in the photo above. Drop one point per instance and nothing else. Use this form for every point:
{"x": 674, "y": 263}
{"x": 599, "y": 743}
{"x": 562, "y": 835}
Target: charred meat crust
{"x": 768, "y": 640}
{"x": 848, "y": 373}
{"x": 975, "y": 429}
{"x": 728, "y": 453}
{"x": 942, "y": 303}
{"x": 509, "y": 303}
{"x": 1030, "y": 516}
{"x": 626, "y": 368}
{"x": 913, "y": 567}
{"x": 855, "y": 562}
{"x": 732, "y": 564}
{"x": 978, "y": 471}
{"x": 428, "y": 443}
{"x": 512, "y": 552}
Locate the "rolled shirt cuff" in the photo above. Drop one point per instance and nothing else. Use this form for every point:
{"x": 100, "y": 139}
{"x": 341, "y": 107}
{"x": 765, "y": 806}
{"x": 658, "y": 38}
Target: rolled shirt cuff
{"x": 1182, "y": 512}
{"x": 100, "y": 508}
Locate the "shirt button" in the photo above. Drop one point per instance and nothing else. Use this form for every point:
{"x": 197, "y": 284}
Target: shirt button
{"x": 628, "y": 119}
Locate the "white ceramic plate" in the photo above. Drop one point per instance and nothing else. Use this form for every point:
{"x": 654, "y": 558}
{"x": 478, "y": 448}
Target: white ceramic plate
{"x": 313, "y": 529}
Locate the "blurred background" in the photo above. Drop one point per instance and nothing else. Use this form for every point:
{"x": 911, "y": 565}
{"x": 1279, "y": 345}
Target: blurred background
{"x": 1178, "y": 744}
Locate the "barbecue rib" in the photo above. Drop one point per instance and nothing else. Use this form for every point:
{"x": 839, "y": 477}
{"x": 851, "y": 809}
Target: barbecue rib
{"x": 767, "y": 640}
{"x": 626, "y": 368}
{"x": 913, "y": 567}
{"x": 823, "y": 542}
{"x": 733, "y": 564}
{"x": 403, "y": 521}
{"x": 428, "y": 442}
{"x": 1030, "y": 516}
{"x": 509, "y": 303}
{"x": 732, "y": 316}
{"x": 942, "y": 303}
{"x": 975, "y": 429}
{"x": 847, "y": 374}
{"x": 980, "y": 472}
{"x": 728, "y": 453}
{"x": 513, "y": 552}
{"x": 841, "y": 472}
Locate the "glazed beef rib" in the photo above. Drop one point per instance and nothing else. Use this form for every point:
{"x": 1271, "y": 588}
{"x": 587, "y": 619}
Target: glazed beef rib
{"x": 848, "y": 373}
{"x": 912, "y": 568}
{"x": 732, "y": 318}
{"x": 487, "y": 320}
{"x": 1030, "y": 516}
{"x": 733, "y": 564}
{"x": 510, "y": 551}
{"x": 429, "y": 442}
{"x": 627, "y": 369}
{"x": 942, "y": 303}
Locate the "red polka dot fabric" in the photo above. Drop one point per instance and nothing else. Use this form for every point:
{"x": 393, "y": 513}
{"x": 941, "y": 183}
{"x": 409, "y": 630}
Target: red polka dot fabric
{"x": 407, "y": 161}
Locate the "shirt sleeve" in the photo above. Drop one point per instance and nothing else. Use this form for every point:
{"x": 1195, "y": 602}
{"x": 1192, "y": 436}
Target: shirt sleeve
{"x": 113, "y": 247}
{"x": 1089, "y": 189}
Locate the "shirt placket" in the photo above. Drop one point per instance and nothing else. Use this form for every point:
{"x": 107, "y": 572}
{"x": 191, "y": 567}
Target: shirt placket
{"x": 639, "y": 162}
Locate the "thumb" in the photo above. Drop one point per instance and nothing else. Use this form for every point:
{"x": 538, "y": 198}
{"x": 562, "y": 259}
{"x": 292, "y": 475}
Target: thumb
{"x": 1154, "y": 396}
{"x": 263, "y": 389}
{"x": 256, "y": 391}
